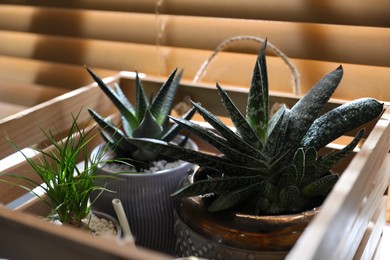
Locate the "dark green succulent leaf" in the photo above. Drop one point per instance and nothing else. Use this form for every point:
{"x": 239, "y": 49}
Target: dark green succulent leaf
{"x": 115, "y": 99}
{"x": 242, "y": 126}
{"x": 276, "y": 137}
{"x": 142, "y": 102}
{"x": 215, "y": 185}
{"x": 289, "y": 197}
{"x": 340, "y": 120}
{"x": 174, "y": 130}
{"x": 262, "y": 205}
{"x": 126, "y": 126}
{"x": 148, "y": 128}
{"x": 123, "y": 98}
{"x": 269, "y": 191}
{"x": 299, "y": 162}
{"x": 307, "y": 109}
{"x": 161, "y": 104}
{"x": 310, "y": 166}
{"x": 289, "y": 177}
{"x": 114, "y": 135}
{"x": 330, "y": 160}
{"x": 276, "y": 121}
{"x": 257, "y": 105}
{"x": 320, "y": 187}
{"x": 221, "y": 144}
{"x": 206, "y": 160}
{"x": 230, "y": 199}
{"x": 234, "y": 140}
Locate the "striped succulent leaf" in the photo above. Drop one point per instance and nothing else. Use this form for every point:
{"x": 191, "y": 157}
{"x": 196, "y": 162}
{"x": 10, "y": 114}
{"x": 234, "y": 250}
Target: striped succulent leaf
{"x": 257, "y": 104}
{"x": 215, "y": 185}
{"x": 242, "y": 126}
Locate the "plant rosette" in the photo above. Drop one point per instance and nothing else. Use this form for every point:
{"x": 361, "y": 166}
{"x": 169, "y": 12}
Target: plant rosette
{"x": 146, "y": 201}
{"x": 230, "y": 234}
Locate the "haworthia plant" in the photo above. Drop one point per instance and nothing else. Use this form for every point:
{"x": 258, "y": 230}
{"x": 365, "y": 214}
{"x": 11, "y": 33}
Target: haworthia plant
{"x": 270, "y": 165}
{"x": 144, "y": 119}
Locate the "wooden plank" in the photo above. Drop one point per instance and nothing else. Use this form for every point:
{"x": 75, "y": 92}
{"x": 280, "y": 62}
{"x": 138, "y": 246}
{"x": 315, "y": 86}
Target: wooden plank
{"x": 327, "y": 42}
{"x": 27, "y": 95}
{"x": 40, "y": 239}
{"x": 227, "y": 69}
{"x": 345, "y": 12}
{"x": 371, "y": 238}
{"x": 24, "y": 128}
{"x": 339, "y": 219}
{"x": 29, "y": 71}
{"x": 7, "y": 109}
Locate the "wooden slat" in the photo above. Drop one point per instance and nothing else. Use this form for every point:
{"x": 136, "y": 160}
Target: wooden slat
{"x": 24, "y": 236}
{"x": 347, "y": 208}
{"x": 227, "y": 68}
{"x": 7, "y": 109}
{"x": 343, "y": 12}
{"x": 326, "y": 42}
{"x": 58, "y": 75}
{"x": 55, "y": 114}
{"x": 27, "y": 95}
{"x": 371, "y": 238}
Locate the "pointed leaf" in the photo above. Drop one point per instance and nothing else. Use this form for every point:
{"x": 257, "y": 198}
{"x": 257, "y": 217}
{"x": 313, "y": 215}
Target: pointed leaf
{"x": 162, "y": 102}
{"x": 332, "y": 159}
{"x": 195, "y": 157}
{"x": 123, "y": 98}
{"x": 257, "y": 104}
{"x": 142, "y": 102}
{"x": 221, "y": 144}
{"x": 234, "y": 140}
{"x": 340, "y": 120}
{"x": 114, "y": 136}
{"x": 242, "y": 126}
{"x": 289, "y": 177}
{"x": 115, "y": 99}
{"x": 174, "y": 130}
{"x": 232, "y": 198}
{"x": 276, "y": 130}
{"x": 299, "y": 162}
{"x": 307, "y": 109}
{"x": 289, "y": 197}
{"x": 215, "y": 185}
{"x": 148, "y": 128}
{"x": 320, "y": 187}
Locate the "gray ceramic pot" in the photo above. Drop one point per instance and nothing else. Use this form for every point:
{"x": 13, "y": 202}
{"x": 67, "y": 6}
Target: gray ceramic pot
{"x": 145, "y": 198}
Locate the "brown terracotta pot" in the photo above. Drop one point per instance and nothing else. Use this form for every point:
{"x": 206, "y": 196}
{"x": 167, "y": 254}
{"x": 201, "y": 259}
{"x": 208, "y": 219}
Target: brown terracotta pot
{"x": 232, "y": 235}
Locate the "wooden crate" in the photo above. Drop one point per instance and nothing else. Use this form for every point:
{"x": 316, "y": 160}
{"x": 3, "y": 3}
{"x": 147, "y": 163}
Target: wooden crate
{"x": 350, "y": 222}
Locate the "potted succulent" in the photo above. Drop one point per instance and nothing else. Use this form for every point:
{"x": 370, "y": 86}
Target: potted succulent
{"x": 66, "y": 184}
{"x": 145, "y": 186}
{"x": 256, "y": 196}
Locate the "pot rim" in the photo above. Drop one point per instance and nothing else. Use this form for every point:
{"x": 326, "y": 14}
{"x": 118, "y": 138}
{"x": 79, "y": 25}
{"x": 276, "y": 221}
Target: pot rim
{"x": 183, "y": 164}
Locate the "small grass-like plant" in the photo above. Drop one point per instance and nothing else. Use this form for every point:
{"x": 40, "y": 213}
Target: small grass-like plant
{"x": 67, "y": 185}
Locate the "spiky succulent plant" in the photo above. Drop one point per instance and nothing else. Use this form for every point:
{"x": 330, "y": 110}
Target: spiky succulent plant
{"x": 145, "y": 119}
{"x": 271, "y": 166}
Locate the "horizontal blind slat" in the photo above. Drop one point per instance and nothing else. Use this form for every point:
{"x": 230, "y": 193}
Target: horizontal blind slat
{"x": 337, "y": 12}
{"x": 339, "y": 43}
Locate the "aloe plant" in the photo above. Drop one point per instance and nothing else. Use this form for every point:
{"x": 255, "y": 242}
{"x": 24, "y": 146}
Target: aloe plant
{"x": 271, "y": 165}
{"x": 145, "y": 119}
